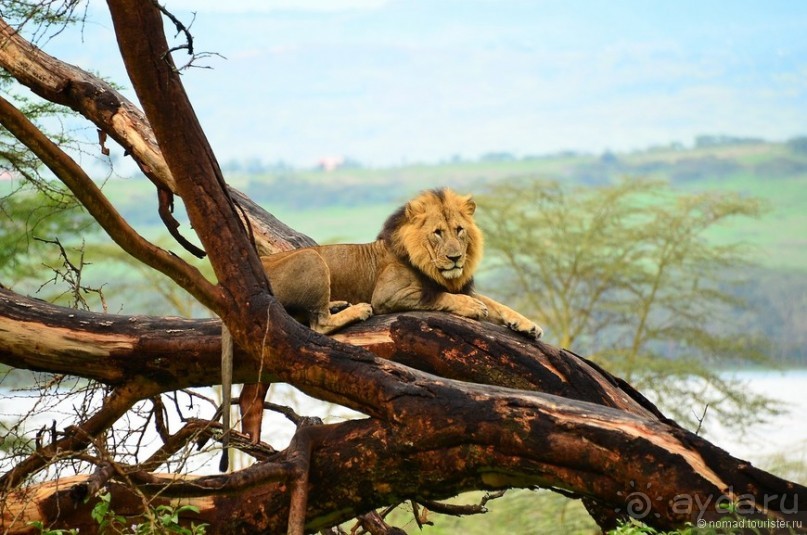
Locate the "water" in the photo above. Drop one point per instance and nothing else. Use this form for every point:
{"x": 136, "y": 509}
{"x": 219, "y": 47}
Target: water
{"x": 784, "y": 435}
{"x": 767, "y": 445}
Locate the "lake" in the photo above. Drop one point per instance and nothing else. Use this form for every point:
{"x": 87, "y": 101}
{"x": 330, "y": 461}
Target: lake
{"x": 784, "y": 436}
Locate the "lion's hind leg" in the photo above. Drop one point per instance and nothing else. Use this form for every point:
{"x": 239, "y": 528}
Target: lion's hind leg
{"x": 328, "y": 323}
{"x": 301, "y": 281}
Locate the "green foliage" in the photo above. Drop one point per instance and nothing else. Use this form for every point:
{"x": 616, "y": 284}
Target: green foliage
{"x": 634, "y": 527}
{"x": 628, "y": 274}
{"x": 163, "y": 519}
{"x": 168, "y": 521}
{"x": 26, "y": 215}
{"x": 46, "y": 531}
{"x": 106, "y": 518}
{"x": 43, "y": 18}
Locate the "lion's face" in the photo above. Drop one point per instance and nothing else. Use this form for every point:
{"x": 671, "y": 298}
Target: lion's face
{"x": 440, "y": 237}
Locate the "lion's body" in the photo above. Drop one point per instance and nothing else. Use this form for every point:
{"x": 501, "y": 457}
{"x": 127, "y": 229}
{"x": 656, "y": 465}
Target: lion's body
{"x": 424, "y": 259}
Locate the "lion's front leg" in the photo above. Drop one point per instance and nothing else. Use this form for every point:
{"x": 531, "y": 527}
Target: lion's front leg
{"x": 461, "y": 305}
{"x": 498, "y": 313}
{"x": 397, "y": 289}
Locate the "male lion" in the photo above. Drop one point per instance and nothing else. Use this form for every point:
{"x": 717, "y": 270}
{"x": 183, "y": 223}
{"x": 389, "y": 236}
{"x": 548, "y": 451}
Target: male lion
{"x": 424, "y": 259}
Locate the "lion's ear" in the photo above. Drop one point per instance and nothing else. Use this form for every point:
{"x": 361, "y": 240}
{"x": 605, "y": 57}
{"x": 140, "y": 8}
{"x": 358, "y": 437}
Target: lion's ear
{"x": 469, "y": 206}
{"x": 414, "y": 208}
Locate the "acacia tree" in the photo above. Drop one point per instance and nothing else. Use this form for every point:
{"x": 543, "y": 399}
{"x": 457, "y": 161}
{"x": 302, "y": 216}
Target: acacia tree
{"x": 633, "y": 280}
{"x": 450, "y": 404}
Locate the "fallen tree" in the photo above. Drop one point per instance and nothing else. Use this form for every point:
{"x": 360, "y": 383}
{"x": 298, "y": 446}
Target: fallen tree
{"x": 450, "y": 404}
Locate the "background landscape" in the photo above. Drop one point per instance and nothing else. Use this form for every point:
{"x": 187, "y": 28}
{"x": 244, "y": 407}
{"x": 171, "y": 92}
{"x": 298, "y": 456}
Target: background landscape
{"x": 350, "y": 203}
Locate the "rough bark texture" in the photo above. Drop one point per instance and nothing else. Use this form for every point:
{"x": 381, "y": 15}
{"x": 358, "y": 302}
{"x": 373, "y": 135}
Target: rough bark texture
{"x": 451, "y": 404}
{"x": 598, "y": 440}
{"x": 115, "y": 350}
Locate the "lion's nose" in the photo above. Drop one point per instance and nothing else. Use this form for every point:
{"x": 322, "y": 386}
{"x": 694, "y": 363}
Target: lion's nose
{"x": 454, "y": 258}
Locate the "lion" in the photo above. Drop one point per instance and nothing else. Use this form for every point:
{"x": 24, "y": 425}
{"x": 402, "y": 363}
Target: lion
{"x": 424, "y": 258}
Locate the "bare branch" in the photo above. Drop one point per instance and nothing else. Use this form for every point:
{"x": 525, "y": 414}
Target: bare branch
{"x": 71, "y": 274}
{"x": 79, "y": 437}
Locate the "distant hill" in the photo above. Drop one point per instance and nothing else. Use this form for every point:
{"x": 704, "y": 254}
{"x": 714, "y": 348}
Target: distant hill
{"x": 350, "y": 203}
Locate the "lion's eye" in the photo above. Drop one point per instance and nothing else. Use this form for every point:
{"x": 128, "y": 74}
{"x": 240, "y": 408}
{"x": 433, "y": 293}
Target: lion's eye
{"x": 438, "y": 232}
{"x": 459, "y": 230}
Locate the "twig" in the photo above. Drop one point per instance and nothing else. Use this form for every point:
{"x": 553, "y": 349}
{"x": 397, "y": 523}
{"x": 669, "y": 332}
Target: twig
{"x": 187, "y": 45}
{"x": 78, "y": 437}
{"x": 71, "y": 274}
{"x": 701, "y": 419}
{"x": 166, "y": 211}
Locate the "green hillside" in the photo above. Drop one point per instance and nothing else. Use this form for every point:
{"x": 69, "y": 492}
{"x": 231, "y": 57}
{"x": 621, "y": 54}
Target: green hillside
{"x": 350, "y": 204}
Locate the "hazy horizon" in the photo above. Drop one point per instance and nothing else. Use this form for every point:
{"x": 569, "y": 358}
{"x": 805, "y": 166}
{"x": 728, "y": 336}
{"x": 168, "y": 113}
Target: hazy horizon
{"x": 387, "y": 83}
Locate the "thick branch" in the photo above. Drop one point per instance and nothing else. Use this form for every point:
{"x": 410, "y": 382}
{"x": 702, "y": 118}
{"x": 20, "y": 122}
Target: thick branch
{"x": 474, "y": 436}
{"x": 574, "y": 446}
{"x": 113, "y": 349}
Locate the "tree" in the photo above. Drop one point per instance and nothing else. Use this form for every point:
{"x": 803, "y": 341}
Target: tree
{"x": 450, "y": 404}
{"x": 629, "y": 273}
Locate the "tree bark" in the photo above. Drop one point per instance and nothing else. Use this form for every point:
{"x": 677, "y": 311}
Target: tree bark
{"x": 598, "y": 440}
{"x": 116, "y": 350}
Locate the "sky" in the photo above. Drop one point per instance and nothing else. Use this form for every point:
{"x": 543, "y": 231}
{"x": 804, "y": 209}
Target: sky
{"x": 394, "y": 82}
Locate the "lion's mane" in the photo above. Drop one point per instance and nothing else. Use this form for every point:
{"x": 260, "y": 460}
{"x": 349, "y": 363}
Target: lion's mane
{"x": 406, "y": 231}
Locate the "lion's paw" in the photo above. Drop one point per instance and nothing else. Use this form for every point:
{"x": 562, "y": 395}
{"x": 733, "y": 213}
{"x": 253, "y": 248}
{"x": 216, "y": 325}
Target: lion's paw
{"x": 525, "y": 326}
{"x": 472, "y": 308}
{"x": 362, "y": 310}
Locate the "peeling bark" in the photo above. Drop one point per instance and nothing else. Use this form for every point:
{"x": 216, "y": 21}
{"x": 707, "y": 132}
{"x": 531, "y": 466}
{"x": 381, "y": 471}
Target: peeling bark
{"x": 446, "y": 437}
